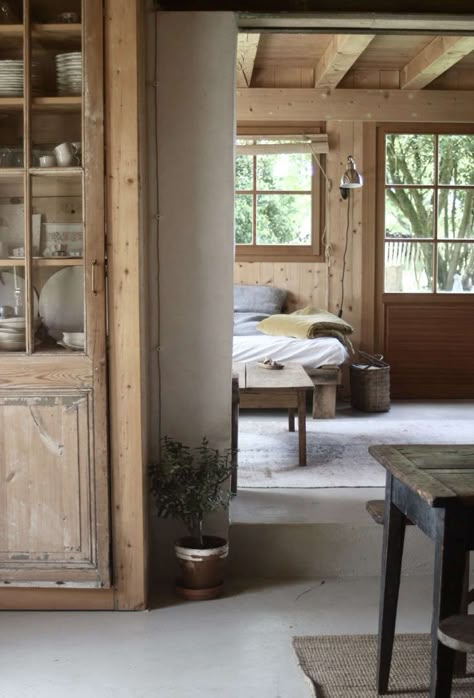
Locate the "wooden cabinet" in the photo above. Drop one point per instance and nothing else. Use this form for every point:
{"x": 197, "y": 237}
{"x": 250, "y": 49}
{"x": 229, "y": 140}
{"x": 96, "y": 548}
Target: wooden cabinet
{"x": 54, "y": 500}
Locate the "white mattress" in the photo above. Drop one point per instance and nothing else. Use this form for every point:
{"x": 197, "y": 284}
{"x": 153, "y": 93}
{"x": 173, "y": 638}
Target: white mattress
{"x": 311, "y": 353}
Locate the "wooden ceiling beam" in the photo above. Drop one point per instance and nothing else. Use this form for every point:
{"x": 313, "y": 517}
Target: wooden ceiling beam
{"x": 275, "y": 105}
{"x": 440, "y": 54}
{"x": 339, "y": 57}
{"x": 247, "y": 46}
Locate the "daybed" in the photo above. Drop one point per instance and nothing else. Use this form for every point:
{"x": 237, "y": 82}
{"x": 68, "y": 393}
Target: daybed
{"x": 321, "y": 357}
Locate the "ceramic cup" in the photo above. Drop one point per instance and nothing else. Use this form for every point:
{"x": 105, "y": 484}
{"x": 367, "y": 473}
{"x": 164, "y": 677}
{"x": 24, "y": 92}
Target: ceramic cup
{"x": 68, "y": 18}
{"x": 67, "y": 155}
{"x": 47, "y": 161}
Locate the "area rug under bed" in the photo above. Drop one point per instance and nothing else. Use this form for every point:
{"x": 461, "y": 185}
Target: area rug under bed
{"x": 343, "y": 666}
{"x": 337, "y": 449}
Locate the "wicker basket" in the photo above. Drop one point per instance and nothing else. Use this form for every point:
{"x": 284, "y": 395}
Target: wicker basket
{"x": 370, "y": 384}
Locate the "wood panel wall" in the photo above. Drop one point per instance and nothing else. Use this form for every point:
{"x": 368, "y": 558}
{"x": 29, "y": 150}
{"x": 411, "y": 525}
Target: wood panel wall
{"x": 321, "y": 284}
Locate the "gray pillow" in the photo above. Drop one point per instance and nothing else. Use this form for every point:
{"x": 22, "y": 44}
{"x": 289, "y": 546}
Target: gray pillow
{"x": 258, "y": 299}
{"x": 246, "y": 323}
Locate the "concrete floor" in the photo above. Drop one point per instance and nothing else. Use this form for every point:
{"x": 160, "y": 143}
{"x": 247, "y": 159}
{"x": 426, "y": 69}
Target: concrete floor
{"x": 340, "y": 504}
{"x": 238, "y": 646}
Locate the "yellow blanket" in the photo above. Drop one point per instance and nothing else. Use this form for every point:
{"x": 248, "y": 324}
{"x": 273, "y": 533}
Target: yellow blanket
{"x": 307, "y": 323}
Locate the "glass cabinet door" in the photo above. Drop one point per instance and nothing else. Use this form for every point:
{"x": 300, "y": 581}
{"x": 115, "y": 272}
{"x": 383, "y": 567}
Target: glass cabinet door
{"x": 54, "y": 519}
{"x": 41, "y": 178}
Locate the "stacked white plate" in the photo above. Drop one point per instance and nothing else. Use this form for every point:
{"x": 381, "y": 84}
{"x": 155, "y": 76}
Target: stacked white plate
{"x": 69, "y": 73}
{"x": 11, "y": 78}
{"x": 12, "y": 333}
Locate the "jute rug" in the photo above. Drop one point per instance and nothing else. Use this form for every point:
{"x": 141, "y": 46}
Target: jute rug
{"x": 337, "y": 449}
{"x": 343, "y": 666}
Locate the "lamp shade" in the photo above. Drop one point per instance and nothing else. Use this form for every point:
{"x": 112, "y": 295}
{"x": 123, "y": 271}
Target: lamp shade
{"x": 351, "y": 179}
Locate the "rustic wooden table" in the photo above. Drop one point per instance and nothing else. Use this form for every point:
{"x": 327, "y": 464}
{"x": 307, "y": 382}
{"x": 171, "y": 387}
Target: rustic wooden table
{"x": 285, "y": 388}
{"x": 433, "y": 486}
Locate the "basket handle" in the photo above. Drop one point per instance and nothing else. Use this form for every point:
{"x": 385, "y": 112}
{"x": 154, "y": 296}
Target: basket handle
{"x": 373, "y": 359}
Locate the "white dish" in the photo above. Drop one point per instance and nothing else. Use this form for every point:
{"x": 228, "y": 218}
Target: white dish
{"x": 69, "y": 346}
{"x": 17, "y": 323}
{"x": 61, "y": 302}
{"x": 13, "y": 346}
{"x": 73, "y": 337}
{"x": 12, "y": 333}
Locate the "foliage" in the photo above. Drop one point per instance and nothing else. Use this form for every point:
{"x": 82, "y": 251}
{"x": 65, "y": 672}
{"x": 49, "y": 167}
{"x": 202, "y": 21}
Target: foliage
{"x": 188, "y": 483}
{"x": 281, "y": 218}
{"x": 420, "y": 161}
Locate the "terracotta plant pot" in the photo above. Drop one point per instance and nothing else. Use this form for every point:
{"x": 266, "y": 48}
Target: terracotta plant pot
{"x": 201, "y": 568}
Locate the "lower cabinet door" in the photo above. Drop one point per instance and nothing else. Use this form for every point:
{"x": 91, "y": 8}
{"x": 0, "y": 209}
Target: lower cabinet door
{"x": 54, "y": 512}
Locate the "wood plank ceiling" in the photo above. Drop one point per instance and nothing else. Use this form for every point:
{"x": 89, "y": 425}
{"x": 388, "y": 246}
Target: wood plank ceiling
{"x": 355, "y": 61}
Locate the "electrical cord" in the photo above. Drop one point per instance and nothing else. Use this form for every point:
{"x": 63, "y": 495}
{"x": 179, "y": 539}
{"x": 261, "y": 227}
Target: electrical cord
{"x": 346, "y": 244}
{"x": 157, "y": 216}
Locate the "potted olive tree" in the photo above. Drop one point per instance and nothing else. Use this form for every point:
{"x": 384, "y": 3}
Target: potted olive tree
{"x": 187, "y": 483}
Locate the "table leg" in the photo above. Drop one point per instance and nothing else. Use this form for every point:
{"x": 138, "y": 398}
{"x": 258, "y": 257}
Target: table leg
{"x": 291, "y": 419}
{"x": 302, "y": 426}
{"x": 460, "y": 663}
{"x": 450, "y": 557}
{"x": 393, "y": 540}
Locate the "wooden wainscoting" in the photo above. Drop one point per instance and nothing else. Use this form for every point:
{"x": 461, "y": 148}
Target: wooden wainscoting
{"x": 430, "y": 349}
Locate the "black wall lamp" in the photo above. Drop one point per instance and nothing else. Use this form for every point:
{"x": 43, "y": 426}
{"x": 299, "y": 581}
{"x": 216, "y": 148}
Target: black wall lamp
{"x": 351, "y": 179}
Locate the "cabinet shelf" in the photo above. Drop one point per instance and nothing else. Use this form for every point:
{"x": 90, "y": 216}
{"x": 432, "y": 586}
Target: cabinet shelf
{"x": 57, "y": 35}
{"x": 60, "y": 104}
{"x": 11, "y": 173}
{"x": 56, "y": 171}
{"x": 11, "y": 103}
{"x": 44, "y": 262}
{"x": 58, "y": 261}
{"x": 11, "y": 35}
{"x": 20, "y": 262}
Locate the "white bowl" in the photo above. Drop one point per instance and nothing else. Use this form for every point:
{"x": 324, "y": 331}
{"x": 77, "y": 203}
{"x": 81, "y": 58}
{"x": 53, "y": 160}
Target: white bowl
{"x": 74, "y": 337}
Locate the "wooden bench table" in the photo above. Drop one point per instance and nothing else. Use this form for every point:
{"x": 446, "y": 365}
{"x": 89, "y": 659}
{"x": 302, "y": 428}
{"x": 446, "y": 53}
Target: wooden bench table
{"x": 262, "y": 387}
{"x": 433, "y": 487}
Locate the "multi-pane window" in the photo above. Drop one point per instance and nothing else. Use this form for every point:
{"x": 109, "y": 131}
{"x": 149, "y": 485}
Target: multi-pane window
{"x": 429, "y": 213}
{"x": 276, "y": 209}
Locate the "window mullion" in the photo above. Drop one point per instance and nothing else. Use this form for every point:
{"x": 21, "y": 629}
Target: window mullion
{"x": 435, "y": 217}
{"x": 254, "y": 202}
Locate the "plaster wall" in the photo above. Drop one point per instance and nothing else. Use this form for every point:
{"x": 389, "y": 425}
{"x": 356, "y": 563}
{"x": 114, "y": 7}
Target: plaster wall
{"x": 191, "y": 245}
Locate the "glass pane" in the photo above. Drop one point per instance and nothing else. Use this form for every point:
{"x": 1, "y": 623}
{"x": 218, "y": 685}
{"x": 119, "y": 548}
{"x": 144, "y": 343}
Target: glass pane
{"x": 284, "y": 172}
{"x": 243, "y": 219}
{"x": 57, "y": 226}
{"x": 56, "y": 64}
{"x": 56, "y": 139}
{"x": 52, "y": 12}
{"x": 283, "y": 219}
{"x": 455, "y": 267}
{"x": 12, "y": 308}
{"x": 11, "y": 139}
{"x": 456, "y": 213}
{"x": 456, "y": 159}
{"x": 61, "y": 305}
{"x": 408, "y": 213}
{"x": 12, "y": 216}
{"x": 409, "y": 158}
{"x": 244, "y": 172}
{"x": 408, "y": 267}
{"x": 57, "y": 246}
